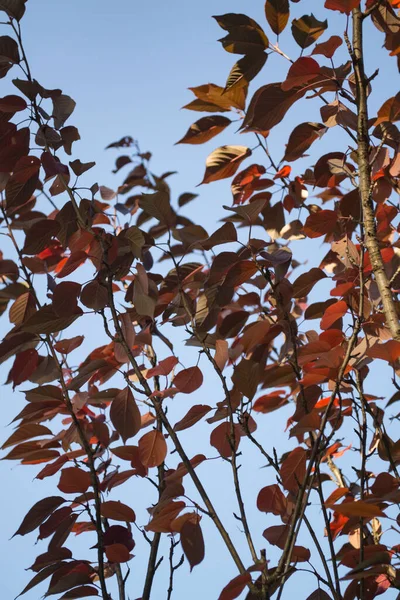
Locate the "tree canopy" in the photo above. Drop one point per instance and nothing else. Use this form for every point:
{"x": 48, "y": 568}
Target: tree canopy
{"x": 288, "y": 343}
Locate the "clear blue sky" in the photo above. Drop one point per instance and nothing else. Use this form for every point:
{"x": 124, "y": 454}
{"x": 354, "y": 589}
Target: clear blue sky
{"x": 128, "y": 65}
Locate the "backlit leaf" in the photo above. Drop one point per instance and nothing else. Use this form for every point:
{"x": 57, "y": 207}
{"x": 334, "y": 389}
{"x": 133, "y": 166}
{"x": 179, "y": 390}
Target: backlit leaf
{"x": 245, "y": 70}
{"x": 277, "y": 13}
{"x": 307, "y": 30}
{"x": 343, "y": 6}
{"x": 205, "y": 129}
{"x": 293, "y": 469}
{"x": 224, "y": 162}
{"x": 358, "y": 508}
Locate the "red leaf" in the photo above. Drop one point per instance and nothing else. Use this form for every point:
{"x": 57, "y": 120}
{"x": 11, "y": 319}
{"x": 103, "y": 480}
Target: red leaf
{"x": 333, "y": 313}
{"x": 152, "y": 449}
{"x": 303, "y": 70}
{"x": 343, "y": 6}
{"x": 68, "y": 345}
{"x": 329, "y": 47}
{"x": 24, "y": 366}
{"x": 235, "y": 587}
{"x": 270, "y": 402}
{"x": 188, "y": 380}
{"x": 164, "y": 367}
{"x": 320, "y": 223}
{"x": 293, "y": 469}
{"x": 221, "y": 439}
{"x": 116, "y": 534}
{"x": 75, "y": 260}
{"x": 271, "y": 500}
{"x": 194, "y": 415}
{"x": 73, "y": 480}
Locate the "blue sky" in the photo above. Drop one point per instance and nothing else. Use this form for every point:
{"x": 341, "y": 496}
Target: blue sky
{"x": 128, "y": 65}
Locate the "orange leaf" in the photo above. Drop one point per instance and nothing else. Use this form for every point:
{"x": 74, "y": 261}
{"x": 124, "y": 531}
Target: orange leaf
{"x": 284, "y": 172}
{"x": 333, "y": 313}
{"x": 343, "y": 6}
{"x": 152, "y": 449}
{"x": 117, "y": 511}
{"x": 358, "y": 508}
{"x": 73, "y": 480}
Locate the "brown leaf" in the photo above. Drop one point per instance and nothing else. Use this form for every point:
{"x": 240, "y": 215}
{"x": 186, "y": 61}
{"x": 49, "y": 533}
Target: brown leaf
{"x": 307, "y": 30}
{"x": 117, "y": 511}
{"x": 268, "y": 107}
{"x": 117, "y": 553}
{"x": 125, "y": 415}
{"x": 95, "y": 295}
{"x": 205, "y": 129}
{"x": 224, "y": 162}
{"x": 194, "y": 415}
{"x": 192, "y": 542}
{"x": 26, "y": 432}
{"x": 213, "y": 98}
{"x": 329, "y": 47}
{"x": 277, "y": 13}
{"x": 39, "y": 513}
{"x": 14, "y": 8}
{"x": 245, "y": 70}
{"x": 46, "y": 321}
{"x": 389, "y": 111}
{"x": 68, "y": 345}
{"x": 189, "y": 380}
{"x": 301, "y": 139}
{"x": 303, "y": 285}
{"x": 235, "y": 587}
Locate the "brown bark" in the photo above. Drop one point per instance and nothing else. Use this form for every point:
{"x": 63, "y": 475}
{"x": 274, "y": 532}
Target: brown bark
{"x": 365, "y": 181}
